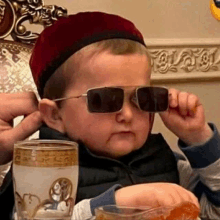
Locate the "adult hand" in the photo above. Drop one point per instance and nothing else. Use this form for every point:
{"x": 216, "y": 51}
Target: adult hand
{"x": 11, "y": 106}
{"x": 154, "y": 195}
{"x": 186, "y": 118}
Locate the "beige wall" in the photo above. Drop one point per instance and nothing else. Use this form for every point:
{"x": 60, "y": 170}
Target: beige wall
{"x": 170, "y": 25}
{"x": 155, "y": 18}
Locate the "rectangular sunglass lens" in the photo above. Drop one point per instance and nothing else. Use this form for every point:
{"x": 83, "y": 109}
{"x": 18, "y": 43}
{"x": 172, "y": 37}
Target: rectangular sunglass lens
{"x": 105, "y": 100}
{"x": 153, "y": 99}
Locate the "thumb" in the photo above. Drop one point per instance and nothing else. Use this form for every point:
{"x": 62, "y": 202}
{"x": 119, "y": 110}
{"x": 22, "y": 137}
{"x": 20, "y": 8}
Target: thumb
{"x": 171, "y": 119}
{"x": 164, "y": 116}
{"x": 27, "y": 127}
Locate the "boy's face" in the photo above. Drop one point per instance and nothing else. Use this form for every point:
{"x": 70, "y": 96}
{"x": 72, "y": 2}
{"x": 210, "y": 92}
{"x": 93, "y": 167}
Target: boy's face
{"x": 109, "y": 134}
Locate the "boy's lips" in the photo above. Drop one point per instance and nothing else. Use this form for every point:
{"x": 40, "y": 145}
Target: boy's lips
{"x": 123, "y": 133}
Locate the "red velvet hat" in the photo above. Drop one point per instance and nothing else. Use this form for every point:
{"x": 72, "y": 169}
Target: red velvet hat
{"x": 69, "y": 34}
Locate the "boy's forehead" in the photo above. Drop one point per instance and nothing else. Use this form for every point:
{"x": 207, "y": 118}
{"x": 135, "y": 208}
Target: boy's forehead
{"x": 106, "y": 69}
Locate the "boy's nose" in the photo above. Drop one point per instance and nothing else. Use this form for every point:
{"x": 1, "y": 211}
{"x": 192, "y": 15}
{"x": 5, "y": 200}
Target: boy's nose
{"x": 126, "y": 113}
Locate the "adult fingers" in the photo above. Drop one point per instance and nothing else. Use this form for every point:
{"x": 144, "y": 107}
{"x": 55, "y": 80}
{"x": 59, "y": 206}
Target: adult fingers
{"x": 28, "y": 126}
{"x": 11, "y": 135}
{"x": 13, "y": 105}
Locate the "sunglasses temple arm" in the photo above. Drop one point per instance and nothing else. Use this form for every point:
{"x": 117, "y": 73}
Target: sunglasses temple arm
{"x": 71, "y": 97}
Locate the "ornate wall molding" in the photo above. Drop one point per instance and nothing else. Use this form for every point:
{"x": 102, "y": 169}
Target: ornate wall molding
{"x": 186, "y": 60}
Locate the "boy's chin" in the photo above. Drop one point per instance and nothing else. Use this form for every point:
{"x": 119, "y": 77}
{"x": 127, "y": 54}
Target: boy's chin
{"x": 121, "y": 149}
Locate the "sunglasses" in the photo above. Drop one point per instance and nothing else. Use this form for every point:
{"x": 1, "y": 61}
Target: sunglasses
{"x": 111, "y": 99}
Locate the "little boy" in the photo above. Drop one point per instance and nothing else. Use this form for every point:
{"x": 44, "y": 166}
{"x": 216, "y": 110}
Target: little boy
{"x": 92, "y": 72}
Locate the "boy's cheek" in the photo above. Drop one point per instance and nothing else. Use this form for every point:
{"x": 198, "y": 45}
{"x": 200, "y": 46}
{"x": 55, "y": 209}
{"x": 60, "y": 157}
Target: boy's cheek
{"x": 103, "y": 134}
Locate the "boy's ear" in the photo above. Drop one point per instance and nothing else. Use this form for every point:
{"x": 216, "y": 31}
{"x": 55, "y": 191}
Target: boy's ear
{"x": 51, "y": 114}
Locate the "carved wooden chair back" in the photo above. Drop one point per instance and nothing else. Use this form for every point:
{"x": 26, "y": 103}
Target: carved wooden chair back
{"x": 15, "y": 74}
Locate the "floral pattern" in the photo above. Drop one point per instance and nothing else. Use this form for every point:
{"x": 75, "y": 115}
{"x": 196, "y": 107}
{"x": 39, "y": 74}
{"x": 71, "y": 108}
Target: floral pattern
{"x": 170, "y": 60}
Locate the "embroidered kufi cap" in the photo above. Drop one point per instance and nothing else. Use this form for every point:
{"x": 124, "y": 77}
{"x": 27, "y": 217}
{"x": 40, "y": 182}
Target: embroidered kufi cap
{"x": 69, "y": 34}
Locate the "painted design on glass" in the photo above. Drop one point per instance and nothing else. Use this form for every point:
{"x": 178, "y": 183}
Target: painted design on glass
{"x": 60, "y": 200}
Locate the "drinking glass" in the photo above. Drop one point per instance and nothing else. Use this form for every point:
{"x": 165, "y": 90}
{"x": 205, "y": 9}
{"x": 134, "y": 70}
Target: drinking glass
{"x": 113, "y": 212}
{"x": 183, "y": 211}
{"x": 45, "y": 177}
